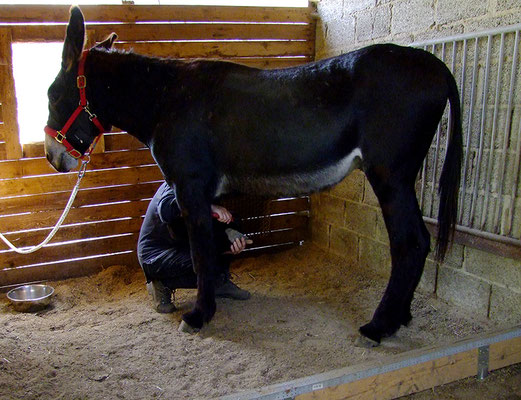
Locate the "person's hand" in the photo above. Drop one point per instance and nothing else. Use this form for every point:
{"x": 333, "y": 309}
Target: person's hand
{"x": 238, "y": 241}
{"x": 222, "y": 214}
{"x": 238, "y": 245}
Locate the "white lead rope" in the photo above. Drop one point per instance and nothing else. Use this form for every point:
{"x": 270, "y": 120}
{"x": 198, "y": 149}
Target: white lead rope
{"x": 27, "y": 250}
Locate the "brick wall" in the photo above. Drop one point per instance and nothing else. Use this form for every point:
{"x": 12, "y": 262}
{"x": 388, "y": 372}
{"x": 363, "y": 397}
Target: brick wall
{"x": 347, "y": 220}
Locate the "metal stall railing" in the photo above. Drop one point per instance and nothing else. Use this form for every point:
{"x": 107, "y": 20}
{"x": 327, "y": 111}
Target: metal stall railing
{"x": 487, "y": 69}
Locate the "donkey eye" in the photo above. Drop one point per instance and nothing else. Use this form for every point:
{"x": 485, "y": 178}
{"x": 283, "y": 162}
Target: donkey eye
{"x": 53, "y": 97}
{"x": 54, "y": 93}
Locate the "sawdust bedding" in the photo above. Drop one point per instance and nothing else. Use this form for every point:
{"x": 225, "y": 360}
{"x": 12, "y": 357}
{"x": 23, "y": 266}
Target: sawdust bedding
{"x": 101, "y": 339}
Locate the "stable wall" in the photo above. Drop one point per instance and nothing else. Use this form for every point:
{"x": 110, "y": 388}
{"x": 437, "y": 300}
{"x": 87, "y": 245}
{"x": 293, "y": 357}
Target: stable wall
{"x": 347, "y": 219}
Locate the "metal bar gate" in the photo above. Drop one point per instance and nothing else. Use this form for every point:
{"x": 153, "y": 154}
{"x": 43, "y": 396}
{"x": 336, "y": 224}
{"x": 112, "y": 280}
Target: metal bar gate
{"x": 487, "y": 69}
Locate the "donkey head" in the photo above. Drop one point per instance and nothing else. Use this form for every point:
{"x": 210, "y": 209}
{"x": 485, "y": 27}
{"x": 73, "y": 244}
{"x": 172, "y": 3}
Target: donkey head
{"x": 71, "y": 127}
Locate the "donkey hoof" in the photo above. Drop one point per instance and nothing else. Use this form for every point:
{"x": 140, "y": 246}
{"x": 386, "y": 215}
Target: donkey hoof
{"x": 185, "y": 328}
{"x": 365, "y": 342}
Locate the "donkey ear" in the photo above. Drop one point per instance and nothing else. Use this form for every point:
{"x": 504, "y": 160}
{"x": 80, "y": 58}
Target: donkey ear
{"x": 108, "y": 42}
{"x": 75, "y": 39}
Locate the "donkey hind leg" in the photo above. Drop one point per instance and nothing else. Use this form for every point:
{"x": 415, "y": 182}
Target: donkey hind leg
{"x": 410, "y": 244}
{"x": 199, "y": 225}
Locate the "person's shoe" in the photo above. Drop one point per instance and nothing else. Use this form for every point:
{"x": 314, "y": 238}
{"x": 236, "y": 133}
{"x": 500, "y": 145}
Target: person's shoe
{"x": 162, "y": 297}
{"x": 230, "y": 290}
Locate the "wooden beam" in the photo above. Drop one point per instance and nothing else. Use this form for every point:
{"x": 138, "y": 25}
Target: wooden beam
{"x": 505, "y": 353}
{"x": 277, "y": 222}
{"x": 85, "y": 248}
{"x": 510, "y": 250}
{"x": 37, "y": 149}
{"x": 172, "y": 31}
{"x": 40, "y": 166}
{"x": 122, "y": 141}
{"x": 76, "y": 215}
{"x": 66, "y": 181}
{"x": 74, "y": 232}
{"x": 64, "y": 270}
{"x": 279, "y": 237}
{"x": 275, "y": 248}
{"x": 156, "y": 13}
{"x": 220, "y": 49}
{"x": 272, "y": 62}
{"x": 289, "y": 205}
{"x": 86, "y": 197}
{"x": 33, "y": 150}
{"x": 403, "y": 381}
{"x": 3, "y": 152}
{"x": 250, "y": 206}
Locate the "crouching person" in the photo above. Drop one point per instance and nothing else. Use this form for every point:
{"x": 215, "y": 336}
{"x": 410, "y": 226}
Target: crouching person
{"x": 164, "y": 251}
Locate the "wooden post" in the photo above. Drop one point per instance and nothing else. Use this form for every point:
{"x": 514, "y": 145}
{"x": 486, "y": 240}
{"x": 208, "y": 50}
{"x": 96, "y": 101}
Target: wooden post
{"x": 8, "y": 98}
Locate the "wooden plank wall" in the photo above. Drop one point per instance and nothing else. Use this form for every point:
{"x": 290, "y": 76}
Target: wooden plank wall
{"x": 103, "y": 224}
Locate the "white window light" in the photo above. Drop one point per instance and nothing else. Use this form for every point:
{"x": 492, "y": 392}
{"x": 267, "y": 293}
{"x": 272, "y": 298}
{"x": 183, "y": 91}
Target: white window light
{"x": 35, "y": 65}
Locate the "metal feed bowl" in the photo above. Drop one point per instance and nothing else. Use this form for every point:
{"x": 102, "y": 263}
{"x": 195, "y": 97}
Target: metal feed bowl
{"x": 30, "y": 297}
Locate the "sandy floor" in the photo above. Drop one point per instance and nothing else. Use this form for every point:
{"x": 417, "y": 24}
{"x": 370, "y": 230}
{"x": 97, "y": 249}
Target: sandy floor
{"x": 101, "y": 339}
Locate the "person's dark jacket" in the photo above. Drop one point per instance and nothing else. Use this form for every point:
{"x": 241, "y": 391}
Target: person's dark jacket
{"x": 164, "y": 228}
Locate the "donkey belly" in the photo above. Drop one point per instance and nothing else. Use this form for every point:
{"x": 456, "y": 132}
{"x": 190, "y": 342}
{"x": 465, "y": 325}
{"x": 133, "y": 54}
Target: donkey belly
{"x": 296, "y": 183}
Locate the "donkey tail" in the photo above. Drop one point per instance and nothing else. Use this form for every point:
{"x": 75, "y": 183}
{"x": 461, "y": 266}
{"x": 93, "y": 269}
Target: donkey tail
{"x": 450, "y": 175}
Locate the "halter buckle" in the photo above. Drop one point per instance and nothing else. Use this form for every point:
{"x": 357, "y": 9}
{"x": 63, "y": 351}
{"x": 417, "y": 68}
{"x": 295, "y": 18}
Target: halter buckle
{"x": 59, "y": 137}
{"x": 81, "y": 81}
{"x": 75, "y": 153}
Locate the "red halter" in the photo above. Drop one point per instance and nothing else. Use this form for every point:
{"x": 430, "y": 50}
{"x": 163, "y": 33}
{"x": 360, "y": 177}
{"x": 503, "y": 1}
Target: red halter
{"x": 59, "y": 136}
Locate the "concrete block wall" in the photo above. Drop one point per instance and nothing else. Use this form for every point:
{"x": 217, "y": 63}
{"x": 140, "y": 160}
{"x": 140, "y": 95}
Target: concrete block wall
{"x": 345, "y": 25}
{"x": 347, "y": 220}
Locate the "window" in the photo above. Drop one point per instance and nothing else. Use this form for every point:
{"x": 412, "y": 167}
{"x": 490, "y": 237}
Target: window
{"x": 35, "y": 65}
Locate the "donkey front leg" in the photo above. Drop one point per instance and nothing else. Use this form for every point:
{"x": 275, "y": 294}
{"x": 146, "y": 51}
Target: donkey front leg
{"x": 409, "y": 242}
{"x": 196, "y": 211}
